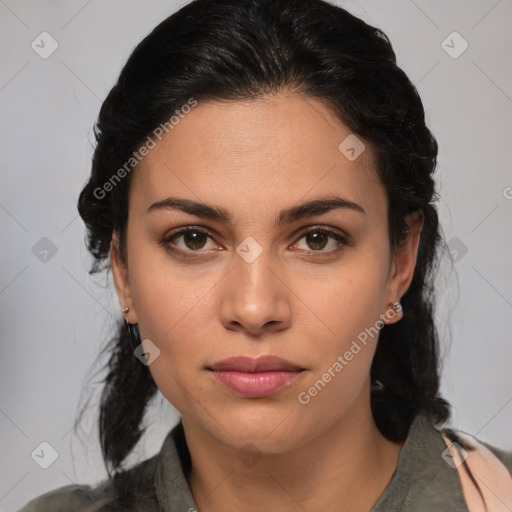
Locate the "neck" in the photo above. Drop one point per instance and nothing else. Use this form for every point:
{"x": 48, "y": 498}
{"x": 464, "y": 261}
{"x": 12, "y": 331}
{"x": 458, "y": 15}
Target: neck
{"x": 350, "y": 463}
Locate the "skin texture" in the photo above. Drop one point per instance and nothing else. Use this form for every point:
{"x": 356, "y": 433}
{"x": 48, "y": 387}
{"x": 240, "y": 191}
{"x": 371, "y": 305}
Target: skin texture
{"x": 300, "y": 299}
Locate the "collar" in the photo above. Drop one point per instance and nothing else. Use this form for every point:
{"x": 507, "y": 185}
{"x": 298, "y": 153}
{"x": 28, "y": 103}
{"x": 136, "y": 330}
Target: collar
{"x": 422, "y": 481}
{"x": 172, "y": 489}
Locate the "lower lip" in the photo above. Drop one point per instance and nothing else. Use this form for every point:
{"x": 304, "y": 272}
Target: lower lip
{"x": 257, "y": 384}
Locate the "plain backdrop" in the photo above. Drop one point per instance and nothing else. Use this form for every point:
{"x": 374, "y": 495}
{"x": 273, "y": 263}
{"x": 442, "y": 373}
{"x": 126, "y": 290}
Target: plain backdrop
{"x": 54, "y": 317}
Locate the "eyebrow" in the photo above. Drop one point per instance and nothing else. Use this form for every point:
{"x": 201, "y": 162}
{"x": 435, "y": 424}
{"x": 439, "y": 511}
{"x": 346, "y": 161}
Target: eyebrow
{"x": 207, "y": 211}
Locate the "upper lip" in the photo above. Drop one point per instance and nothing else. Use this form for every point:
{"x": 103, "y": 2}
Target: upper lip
{"x": 259, "y": 364}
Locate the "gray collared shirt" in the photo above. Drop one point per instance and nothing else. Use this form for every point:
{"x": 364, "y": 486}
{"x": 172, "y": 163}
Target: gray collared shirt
{"x": 422, "y": 482}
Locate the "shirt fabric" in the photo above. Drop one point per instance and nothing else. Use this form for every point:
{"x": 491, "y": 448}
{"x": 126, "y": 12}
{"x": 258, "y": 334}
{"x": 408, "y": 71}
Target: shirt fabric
{"x": 422, "y": 481}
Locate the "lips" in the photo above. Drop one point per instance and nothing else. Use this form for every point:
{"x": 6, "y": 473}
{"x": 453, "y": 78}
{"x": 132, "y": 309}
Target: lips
{"x": 257, "y": 377}
{"x": 260, "y": 364}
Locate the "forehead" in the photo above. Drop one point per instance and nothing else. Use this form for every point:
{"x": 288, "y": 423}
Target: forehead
{"x": 274, "y": 148}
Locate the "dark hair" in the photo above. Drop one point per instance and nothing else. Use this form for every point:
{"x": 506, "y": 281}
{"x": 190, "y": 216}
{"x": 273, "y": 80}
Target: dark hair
{"x": 239, "y": 49}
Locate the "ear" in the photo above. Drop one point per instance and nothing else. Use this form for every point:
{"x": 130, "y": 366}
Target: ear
{"x": 121, "y": 280}
{"x": 402, "y": 267}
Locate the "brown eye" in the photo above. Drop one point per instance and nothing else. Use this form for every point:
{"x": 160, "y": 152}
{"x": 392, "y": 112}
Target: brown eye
{"x": 194, "y": 239}
{"x": 317, "y": 240}
{"x": 186, "y": 242}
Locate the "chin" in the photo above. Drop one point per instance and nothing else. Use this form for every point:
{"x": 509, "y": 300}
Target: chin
{"x": 271, "y": 429}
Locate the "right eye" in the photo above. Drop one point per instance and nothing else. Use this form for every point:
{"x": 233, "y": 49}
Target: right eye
{"x": 192, "y": 240}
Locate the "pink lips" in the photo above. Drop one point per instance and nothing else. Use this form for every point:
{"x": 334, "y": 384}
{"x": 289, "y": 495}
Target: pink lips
{"x": 254, "y": 378}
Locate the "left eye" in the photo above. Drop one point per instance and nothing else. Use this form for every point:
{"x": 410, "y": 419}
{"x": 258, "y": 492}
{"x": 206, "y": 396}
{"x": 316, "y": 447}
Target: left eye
{"x": 317, "y": 239}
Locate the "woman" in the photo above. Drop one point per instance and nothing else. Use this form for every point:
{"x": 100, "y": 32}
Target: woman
{"x": 262, "y": 191}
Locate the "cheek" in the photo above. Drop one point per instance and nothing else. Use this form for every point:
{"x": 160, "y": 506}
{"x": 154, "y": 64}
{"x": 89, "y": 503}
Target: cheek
{"x": 166, "y": 294}
{"x": 346, "y": 303}
{"x": 173, "y": 311}
{"x": 348, "y": 310}
{"x": 171, "y": 317}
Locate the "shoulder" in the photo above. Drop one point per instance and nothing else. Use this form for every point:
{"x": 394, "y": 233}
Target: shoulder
{"x": 504, "y": 456}
{"x": 129, "y": 491}
{"x": 64, "y": 499}
{"x": 146, "y": 487}
{"x": 426, "y": 478}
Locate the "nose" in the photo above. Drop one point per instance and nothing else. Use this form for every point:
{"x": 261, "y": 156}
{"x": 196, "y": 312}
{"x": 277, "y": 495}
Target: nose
{"x": 255, "y": 299}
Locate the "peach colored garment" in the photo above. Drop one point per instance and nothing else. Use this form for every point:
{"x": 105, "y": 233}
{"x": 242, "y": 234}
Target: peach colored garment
{"x": 492, "y": 477}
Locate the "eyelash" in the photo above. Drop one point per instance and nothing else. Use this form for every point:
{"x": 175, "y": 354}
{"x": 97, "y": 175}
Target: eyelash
{"x": 341, "y": 240}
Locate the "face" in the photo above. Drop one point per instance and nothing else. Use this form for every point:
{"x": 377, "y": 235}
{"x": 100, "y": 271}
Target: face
{"x": 290, "y": 258}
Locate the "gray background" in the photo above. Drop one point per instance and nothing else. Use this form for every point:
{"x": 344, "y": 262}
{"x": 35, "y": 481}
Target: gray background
{"x": 54, "y": 318}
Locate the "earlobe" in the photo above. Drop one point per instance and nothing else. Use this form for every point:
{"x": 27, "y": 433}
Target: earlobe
{"x": 121, "y": 281}
{"x": 404, "y": 263}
